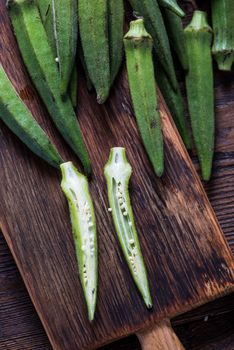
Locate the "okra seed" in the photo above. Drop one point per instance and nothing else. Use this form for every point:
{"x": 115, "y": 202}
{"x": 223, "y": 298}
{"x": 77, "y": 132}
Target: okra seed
{"x": 110, "y": 210}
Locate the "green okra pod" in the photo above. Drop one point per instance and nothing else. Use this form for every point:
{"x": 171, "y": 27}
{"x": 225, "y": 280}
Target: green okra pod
{"x": 83, "y": 63}
{"x": 76, "y": 190}
{"x": 223, "y": 27}
{"x": 175, "y": 32}
{"x": 93, "y": 24}
{"x": 65, "y": 27}
{"x": 39, "y": 60}
{"x": 45, "y": 8}
{"x": 154, "y": 24}
{"x": 172, "y": 6}
{"x": 18, "y": 118}
{"x": 138, "y": 49}
{"x": 115, "y": 30}
{"x": 200, "y": 89}
{"x": 174, "y": 101}
{"x": 117, "y": 173}
{"x": 73, "y": 86}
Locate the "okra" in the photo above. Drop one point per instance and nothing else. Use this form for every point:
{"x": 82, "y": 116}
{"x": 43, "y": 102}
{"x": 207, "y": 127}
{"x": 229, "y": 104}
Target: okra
{"x": 115, "y": 27}
{"x": 200, "y": 89}
{"x": 76, "y": 190}
{"x": 93, "y": 24}
{"x": 175, "y": 32}
{"x": 45, "y": 8}
{"x": 223, "y": 26}
{"x": 82, "y": 61}
{"x": 65, "y": 27}
{"x": 172, "y": 6}
{"x": 73, "y": 86}
{"x": 175, "y": 104}
{"x": 154, "y": 24}
{"x": 38, "y": 58}
{"x": 138, "y": 48}
{"x": 117, "y": 173}
{"x": 18, "y": 118}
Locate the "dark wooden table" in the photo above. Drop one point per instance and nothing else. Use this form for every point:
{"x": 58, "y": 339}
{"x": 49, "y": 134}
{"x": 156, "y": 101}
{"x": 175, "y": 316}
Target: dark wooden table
{"x": 206, "y": 328}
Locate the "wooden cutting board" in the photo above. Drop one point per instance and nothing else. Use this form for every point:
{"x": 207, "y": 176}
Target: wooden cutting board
{"x": 185, "y": 252}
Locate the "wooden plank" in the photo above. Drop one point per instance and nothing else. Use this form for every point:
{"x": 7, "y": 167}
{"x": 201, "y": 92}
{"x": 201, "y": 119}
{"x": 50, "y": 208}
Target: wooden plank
{"x": 187, "y": 260}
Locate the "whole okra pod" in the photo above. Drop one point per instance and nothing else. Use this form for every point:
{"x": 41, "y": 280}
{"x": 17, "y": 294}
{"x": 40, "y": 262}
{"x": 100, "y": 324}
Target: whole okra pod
{"x": 93, "y": 24}
{"x": 154, "y": 24}
{"x": 75, "y": 188}
{"x": 200, "y": 89}
{"x": 18, "y": 118}
{"x": 175, "y": 103}
{"x": 223, "y": 27}
{"x": 45, "y": 8}
{"x": 117, "y": 172}
{"x": 65, "y": 27}
{"x": 138, "y": 47}
{"x": 39, "y": 60}
{"x": 115, "y": 32}
{"x": 175, "y": 32}
{"x": 172, "y": 6}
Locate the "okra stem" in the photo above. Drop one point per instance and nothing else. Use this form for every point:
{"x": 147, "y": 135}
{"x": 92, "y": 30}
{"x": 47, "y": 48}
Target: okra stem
{"x": 200, "y": 89}
{"x": 117, "y": 173}
{"x": 138, "y": 48}
{"x": 76, "y": 190}
{"x": 18, "y": 118}
{"x": 154, "y": 24}
{"x": 223, "y": 26}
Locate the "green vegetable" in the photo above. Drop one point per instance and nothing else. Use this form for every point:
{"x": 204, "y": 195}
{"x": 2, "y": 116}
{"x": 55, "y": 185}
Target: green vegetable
{"x": 176, "y": 35}
{"x": 38, "y": 58}
{"x": 18, "y": 118}
{"x": 154, "y": 24}
{"x": 175, "y": 104}
{"x": 76, "y": 190}
{"x": 172, "y": 6}
{"x": 73, "y": 86}
{"x": 65, "y": 26}
{"x": 82, "y": 60}
{"x": 223, "y": 26}
{"x": 45, "y": 8}
{"x": 93, "y": 22}
{"x": 200, "y": 89}
{"x": 138, "y": 49}
{"x": 117, "y": 172}
{"x": 115, "y": 26}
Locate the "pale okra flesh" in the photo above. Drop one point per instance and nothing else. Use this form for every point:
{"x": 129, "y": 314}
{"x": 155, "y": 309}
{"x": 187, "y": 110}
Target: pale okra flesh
{"x": 18, "y": 118}
{"x": 93, "y": 26}
{"x": 200, "y": 89}
{"x": 39, "y": 60}
{"x": 138, "y": 48}
{"x": 76, "y": 190}
{"x": 117, "y": 173}
{"x": 223, "y": 26}
{"x": 65, "y": 27}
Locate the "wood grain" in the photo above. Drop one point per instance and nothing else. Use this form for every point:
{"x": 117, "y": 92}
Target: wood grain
{"x": 187, "y": 260}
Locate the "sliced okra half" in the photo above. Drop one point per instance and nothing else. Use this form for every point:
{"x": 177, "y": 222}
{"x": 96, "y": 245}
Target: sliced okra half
{"x": 117, "y": 173}
{"x": 75, "y": 188}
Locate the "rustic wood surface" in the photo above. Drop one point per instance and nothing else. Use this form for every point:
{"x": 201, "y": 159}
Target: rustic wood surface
{"x": 9, "y": 322}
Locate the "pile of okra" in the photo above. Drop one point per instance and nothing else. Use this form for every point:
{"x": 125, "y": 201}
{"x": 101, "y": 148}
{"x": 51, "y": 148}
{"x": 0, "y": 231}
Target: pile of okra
{"x": 53, "y": 35}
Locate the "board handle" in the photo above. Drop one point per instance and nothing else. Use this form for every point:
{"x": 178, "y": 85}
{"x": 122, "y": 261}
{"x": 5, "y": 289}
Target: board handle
{"x": 160, "y": 337}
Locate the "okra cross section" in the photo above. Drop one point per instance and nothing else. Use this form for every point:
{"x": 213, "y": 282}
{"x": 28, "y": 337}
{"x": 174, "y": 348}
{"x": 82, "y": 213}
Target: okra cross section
{"x": 117, "y": 173}
{"x": 76, "y": 190}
